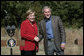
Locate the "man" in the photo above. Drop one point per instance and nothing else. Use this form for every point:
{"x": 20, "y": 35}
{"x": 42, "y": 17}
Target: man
{"x": 51, "y": 28}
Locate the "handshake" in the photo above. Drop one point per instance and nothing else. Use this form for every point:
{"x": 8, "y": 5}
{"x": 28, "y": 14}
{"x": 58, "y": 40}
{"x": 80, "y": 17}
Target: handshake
{"x": 36, "y": 39}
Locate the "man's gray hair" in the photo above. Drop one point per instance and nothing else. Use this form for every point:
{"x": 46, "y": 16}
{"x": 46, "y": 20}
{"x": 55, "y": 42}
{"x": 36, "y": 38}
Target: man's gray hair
{"x": 46, "y": 7}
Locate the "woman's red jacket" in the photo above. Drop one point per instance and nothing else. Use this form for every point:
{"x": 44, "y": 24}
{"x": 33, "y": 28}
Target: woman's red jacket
{"x": 28, "y": 32}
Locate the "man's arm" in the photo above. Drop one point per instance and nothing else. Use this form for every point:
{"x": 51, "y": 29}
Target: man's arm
{"x": 40, "y": 32}
{"x": 63, "y": 35}
{"x": 62, "y": 31}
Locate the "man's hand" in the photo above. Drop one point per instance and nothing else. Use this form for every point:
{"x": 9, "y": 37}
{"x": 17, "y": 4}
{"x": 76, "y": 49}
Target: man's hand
{"x": 36, "y": 39}
{"x": 63, "y": 46}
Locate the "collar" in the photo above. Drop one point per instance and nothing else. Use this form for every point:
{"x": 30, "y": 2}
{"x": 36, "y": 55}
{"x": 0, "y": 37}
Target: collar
{"x": 47, "y": 19}
{"x": 30, "y": 22}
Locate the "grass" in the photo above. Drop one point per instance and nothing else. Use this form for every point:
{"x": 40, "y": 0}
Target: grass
{"x": 71, "y": 48}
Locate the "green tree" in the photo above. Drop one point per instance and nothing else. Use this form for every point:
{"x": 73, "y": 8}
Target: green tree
{"x": 71, "y": 12}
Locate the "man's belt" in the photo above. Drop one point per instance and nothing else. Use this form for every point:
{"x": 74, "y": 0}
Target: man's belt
{"x": 51, "y": 39}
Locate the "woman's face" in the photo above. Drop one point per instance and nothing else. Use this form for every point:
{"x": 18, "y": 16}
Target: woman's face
{"x": 31, "y": 17}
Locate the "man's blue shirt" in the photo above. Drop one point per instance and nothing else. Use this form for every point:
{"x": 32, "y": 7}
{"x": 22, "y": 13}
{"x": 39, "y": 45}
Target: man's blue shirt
{"x": 49, "y": 30}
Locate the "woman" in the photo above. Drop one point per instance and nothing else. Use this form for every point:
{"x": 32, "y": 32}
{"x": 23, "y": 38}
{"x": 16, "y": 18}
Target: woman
{"x": 29, "y": 34}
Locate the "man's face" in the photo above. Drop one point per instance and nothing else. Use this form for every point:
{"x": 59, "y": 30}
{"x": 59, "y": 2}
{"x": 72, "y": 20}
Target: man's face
{"x": 31, "y": 17}
{"x": 47, "y": 13}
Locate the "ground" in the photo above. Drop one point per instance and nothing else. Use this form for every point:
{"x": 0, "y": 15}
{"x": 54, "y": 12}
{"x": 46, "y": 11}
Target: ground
{"x": 71, "y": 47}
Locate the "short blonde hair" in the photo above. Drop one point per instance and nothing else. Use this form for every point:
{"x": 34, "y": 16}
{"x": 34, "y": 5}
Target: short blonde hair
{"x": 28, "y": 12}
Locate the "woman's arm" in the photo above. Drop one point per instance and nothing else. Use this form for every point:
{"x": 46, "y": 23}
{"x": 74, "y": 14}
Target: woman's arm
{"x": 24, "y": 34}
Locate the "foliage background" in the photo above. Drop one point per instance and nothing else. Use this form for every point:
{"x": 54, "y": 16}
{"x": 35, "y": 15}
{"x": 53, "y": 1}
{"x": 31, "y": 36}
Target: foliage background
{"x": 71, "y": 12}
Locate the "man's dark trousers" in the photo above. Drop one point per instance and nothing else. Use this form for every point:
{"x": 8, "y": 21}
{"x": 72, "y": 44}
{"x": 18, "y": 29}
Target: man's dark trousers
{"x": 52, "y": 48}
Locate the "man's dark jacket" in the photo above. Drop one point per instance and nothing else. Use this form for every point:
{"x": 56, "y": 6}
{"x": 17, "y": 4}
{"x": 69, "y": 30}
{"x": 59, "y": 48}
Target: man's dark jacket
{"x": 58, "y": 31}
